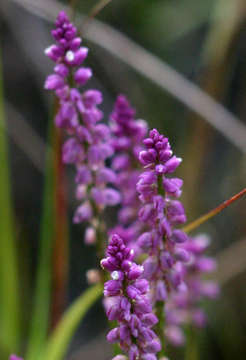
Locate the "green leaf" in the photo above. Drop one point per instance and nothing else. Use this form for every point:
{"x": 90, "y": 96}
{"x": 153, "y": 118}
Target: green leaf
{"x": 41, "y": 310}
{"x": 9, "y": 287}
{"x": 62, "y": 335}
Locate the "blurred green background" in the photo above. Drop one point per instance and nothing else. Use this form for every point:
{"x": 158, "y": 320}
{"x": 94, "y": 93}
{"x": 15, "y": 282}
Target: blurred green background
{"x": 205, "y": 41}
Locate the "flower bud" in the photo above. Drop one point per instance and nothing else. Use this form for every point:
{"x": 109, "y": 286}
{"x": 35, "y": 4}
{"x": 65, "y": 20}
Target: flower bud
{"x": 93, "y": 276}
{"x": 90, "y": 236}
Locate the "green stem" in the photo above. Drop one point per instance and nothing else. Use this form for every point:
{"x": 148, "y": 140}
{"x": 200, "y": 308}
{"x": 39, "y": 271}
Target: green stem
{"x": 191, "y": 350}
{"x": 9, "y": 288}
{"x": 62, "y": 335}
{"x": 160, "y": 326}
{"x": 160, "y": 311}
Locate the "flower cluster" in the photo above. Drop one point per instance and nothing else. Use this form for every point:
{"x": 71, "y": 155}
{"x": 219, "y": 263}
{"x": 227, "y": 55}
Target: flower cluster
{"x": 176, "y": 262}
{"x": 128, "y": 303}
{"x": 88, "y": 144}
{"x": 128, "y": 134}
{"x": 148, "y": 220}
{"x": 161, "y": 212}
{"x": 183, "y": 307}
{"x": 14, "y": 357}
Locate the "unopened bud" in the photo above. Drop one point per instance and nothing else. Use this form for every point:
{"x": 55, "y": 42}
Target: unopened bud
{"x": 90, "y": 236}
{"x": 93, "y": 276}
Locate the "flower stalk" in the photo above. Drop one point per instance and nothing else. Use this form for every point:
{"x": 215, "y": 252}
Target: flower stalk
{"x": 204, "y": 218}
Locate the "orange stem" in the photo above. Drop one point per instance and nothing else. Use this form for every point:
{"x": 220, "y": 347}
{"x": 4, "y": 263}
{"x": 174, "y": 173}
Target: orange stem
{"x": 194, "y": 224}
{"x": 60, "y": 252}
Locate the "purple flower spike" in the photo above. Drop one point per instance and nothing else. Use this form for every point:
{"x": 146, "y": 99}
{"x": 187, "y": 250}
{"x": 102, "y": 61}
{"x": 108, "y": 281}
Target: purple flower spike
{"x": 14, "y": 357}
{"x": 88, "y": 141}
{"x": 182, "y": 307}
{"x": 161, "y": 212}
{"x": 128, "y": 135}
{"x": 127, "y": 301}
{"x": 175, "y": 262}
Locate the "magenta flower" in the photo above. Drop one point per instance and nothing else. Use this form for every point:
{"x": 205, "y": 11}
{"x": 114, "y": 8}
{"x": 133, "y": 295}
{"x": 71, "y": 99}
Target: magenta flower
{"x": 126, "y": 300}
{"x": 184, "y": 308}
{"x": 161, "y": 213}
{"x": 88, "y": 144}
{"x": 14, "y": 357}
{"x": 128, "y": 134}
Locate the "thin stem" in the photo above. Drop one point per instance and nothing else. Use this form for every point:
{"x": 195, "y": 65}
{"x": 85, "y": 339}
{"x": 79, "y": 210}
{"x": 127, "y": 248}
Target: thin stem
{"x": 61, "y": 236}
{"x": 191, "y": 348}
{"x": 73, "y": 5}
{"x": 96, "y": 10}
{"x": 196, "y": 223}
{"x": 160, "y": 313}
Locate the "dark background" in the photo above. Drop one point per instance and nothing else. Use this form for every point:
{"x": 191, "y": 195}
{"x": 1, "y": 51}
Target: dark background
{"x": 206, "y": 42}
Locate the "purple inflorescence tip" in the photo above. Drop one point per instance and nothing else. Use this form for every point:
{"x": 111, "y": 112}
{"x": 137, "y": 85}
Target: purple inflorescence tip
{"x": 126, "y": 300}
{"x": 128, "y": 134}
{"x": 175, "y": 261}
{"x": 161, "y": 212}
{"x": 88, "y": 144}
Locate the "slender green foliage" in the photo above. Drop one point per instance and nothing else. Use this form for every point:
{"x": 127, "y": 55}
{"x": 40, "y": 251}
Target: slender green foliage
{"x": 9, "y": 291}
{"x": 192, "y": 346}
{"x": 41, "y": 310}
{"x": 62, "y": 335}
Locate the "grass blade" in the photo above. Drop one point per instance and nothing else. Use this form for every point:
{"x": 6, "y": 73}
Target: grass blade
{"x": 9, "y": 287}
{"x": 62, "y": 335}
{"x": 40, "y": 318}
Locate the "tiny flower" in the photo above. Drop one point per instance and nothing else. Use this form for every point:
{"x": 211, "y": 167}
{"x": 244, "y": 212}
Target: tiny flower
{"x": 90, "y": 236}
{"x": 72, "y": 151}
{"x": 145, "y": 241}
{"x": 172, "y": 164}
{"x": 182, "y": 255}
{"x": 112, "y": 288}
{"x": 82, "y": 75}
{"x": 54, "y": 82}
{"x": 83, "y": 213}
{"x": 69, "y": 57}
{"x": 111, "y": 197}
{"x": 175, "y": 335}
{"x": 93, "y": 276}
{"x": 61, "y": 70}
{"x": 113, "y": 335}
{"x": 117, "y": 275}
{"x": 172, "y": 186}
{"x": 210, "y": 289}
{"x": 161, "y": 291}
{"x": 179, "y": 236}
